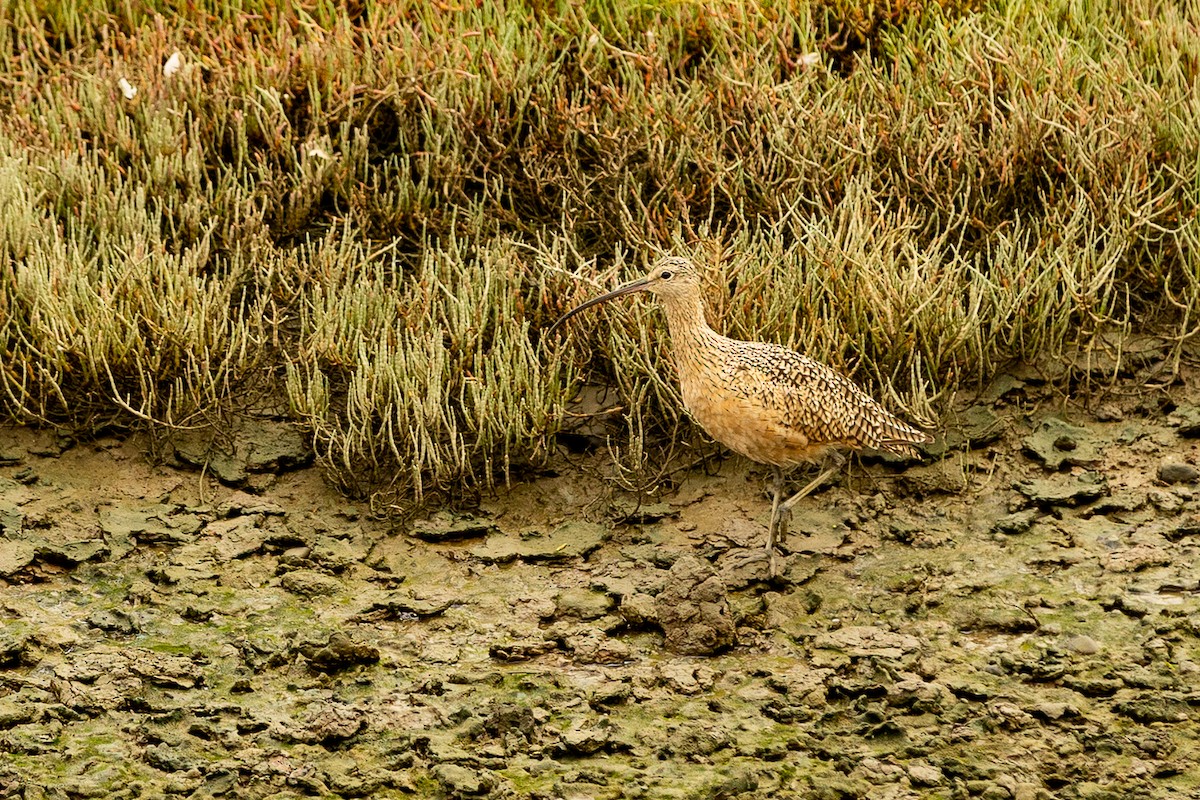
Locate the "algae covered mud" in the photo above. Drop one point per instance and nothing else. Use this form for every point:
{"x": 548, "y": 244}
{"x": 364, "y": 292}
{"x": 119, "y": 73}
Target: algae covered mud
{"x": 1015, "y": 617}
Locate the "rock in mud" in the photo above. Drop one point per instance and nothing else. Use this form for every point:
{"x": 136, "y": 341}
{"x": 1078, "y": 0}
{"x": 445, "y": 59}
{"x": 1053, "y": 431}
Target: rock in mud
{"x": 12, "y": 519}
{"x": 506, "y": 720}
{"x": 12, "y": 647}
{"x": 582, "y": 604}
{"x": 104, "y": 678}
{"x": 1186, "y": 418}
{"x": 683, "y": 678}
{"x": 521, "y": 649}
{"x": 165, "y": 670}
{"x": 743, "y": 566}
{"x": 1120, "y": 502}
{"x": 1134, "y": 559}
{"x": 168, "y": 759}
{"x": 998, "y": 618}
{"x": 1051, "y": 492}
{"x": 157, "y": 523}
{"x": 462, "y": 782}
{"x": 1164, "y": 501}
{"x": 1054, "y": 711}
{"x": 609, "y": 694}
{"x": 585, "y": 740}
{"x": 1083, "y": 644}
{"x": 696, "y": 739}
{"x": 339, "y": 653}
{"x": 638, "y": 610}
{"x": 310, "y": 583}
{"x": 15, "y": 556}
{"x": 13, "y": 713}
{"x": 324, "y": 723}
{"x": 1018, "y": 523}
{"x": 798, "y": 570}
{"x": 1177, "y": 472}
{"x": 267, "y": 446}
{"x": 816, "y": 530}
{"x": 114, "y": 620}
{"x": 570, "y": 540}
{"x": 405, "y": 605}
{"x": 242, "y": 504}
{"x": 741, "y": 783}
{"x": 1057, "y": 444}
{"x": 249, "y": 446}
{"x": 1185, "y": 528}
{"x": 446, "y": 527}
{"x": 26, "y": 477}
{"x": 1009, "y": 716}
{"x": 879, "y": 772}
{"x": 925, "y": 775}
{"x": 334, "y": 554}
{"x": 693, "y": 609}
{"x": 236, "y": 537}
{"x": 976, "y": 427}
{"x": 1151, "y": 707}
{"x": 74, "y": 552}
{"x": 859, "y": 641}
{"x": 592, "y": 646}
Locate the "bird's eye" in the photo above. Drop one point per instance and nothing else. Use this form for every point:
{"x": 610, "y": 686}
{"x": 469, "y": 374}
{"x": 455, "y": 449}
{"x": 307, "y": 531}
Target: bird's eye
{"x": 666, "y": 275}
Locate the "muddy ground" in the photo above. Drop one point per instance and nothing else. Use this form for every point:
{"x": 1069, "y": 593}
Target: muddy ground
{"x": 1017, "y": 616}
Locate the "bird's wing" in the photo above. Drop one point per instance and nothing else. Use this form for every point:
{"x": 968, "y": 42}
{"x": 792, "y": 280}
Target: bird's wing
{"x": 806, "y": 397}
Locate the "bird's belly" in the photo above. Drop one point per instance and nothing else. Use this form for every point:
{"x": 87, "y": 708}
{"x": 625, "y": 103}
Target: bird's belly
{"x": 750, "y": 429}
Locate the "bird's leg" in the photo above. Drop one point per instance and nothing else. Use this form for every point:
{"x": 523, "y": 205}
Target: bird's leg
{"x": 781, "y": 510}
{"x": 834, "y": 461}
{"x": 786, "y": 506}
{"x": 774, "y": 532}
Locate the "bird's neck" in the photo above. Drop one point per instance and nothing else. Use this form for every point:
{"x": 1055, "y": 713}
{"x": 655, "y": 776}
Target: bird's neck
{"x": 686, "y": 321}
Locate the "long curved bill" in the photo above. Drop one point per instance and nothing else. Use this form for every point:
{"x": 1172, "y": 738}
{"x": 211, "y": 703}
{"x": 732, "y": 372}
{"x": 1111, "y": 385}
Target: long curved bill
{"x": 628, "y": 288}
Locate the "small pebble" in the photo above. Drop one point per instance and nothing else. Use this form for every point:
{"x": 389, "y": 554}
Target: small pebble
{"x": 1164, "y": 501}
{"x": 1027, "y": 791}
{"x": 1176, "y": 472}
{"x": 1082, "y": 644}
{"x": 1054, "y": 710}
{"x": 926, "y": 775}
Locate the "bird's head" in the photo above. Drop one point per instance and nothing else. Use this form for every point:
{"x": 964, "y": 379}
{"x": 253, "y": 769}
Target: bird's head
{"x": 670, "y": 277}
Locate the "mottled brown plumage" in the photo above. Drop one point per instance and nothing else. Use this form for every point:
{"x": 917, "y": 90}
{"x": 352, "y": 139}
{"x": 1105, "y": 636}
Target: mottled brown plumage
{"x": 766, "y": 402}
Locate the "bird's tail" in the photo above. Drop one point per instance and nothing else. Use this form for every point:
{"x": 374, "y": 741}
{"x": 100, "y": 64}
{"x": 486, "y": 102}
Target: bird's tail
{"x": 901, "y": 438}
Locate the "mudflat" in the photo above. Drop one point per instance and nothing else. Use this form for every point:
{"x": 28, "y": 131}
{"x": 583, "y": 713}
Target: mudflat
{"x": 1017, "y": 616}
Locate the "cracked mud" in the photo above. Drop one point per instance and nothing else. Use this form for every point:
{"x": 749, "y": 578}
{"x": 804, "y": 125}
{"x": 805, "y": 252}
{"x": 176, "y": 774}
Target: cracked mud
{"x": 1019, "y": 620}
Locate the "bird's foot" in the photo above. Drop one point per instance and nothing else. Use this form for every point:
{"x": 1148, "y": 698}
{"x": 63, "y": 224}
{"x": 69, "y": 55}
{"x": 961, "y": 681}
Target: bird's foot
{"x": 775, "y": 536}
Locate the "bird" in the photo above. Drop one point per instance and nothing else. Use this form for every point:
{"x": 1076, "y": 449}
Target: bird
{"x": 770, "y": 404}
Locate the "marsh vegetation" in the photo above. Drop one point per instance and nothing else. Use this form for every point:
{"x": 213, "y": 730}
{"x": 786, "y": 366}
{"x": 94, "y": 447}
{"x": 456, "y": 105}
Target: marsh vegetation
{"x": 374, "y": 211}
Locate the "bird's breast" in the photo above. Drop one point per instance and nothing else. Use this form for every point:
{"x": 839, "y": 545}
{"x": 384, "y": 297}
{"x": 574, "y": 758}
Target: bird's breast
{"x": 745, "y": 425}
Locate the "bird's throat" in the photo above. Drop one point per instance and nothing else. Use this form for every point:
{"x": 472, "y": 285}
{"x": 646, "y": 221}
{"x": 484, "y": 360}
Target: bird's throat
{"x": 685, "y": 317}
{"x": 692, "y": 340}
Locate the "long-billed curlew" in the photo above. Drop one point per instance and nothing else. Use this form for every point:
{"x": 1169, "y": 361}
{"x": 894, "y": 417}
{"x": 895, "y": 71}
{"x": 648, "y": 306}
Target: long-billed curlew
{"x": 768, "y": 403}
